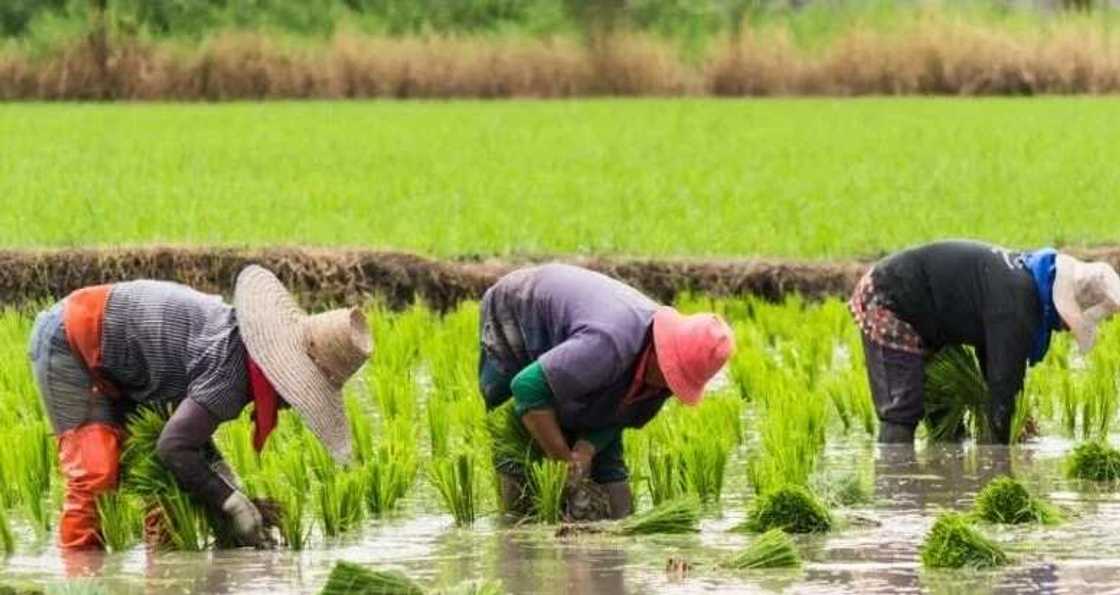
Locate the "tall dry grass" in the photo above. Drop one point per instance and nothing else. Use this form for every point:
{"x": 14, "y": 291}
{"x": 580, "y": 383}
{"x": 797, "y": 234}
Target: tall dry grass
{"x": 926, "y": 57}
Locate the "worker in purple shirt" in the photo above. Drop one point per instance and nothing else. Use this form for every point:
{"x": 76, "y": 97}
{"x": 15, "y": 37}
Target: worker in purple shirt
{"x": 584, "y": 356}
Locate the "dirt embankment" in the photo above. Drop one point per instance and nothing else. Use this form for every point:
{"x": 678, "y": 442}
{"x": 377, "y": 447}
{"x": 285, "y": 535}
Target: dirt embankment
{"x": 326, "y": 277}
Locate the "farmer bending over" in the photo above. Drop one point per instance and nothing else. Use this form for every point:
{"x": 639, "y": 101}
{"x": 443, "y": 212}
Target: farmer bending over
{"x": 106, "y": 349}
{"x": 1004, "y": 304}
{"x": 583, "y": 357}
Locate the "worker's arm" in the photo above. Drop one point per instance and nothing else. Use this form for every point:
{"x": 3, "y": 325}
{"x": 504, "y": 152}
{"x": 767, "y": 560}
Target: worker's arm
{"x": 184, "y": 447}
{"x": 532, "y": 401}
{"x": 1005, "y": 352}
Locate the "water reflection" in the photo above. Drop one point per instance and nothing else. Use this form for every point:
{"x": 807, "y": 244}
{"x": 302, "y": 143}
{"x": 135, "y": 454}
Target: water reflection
{"x": 910, "y": 486}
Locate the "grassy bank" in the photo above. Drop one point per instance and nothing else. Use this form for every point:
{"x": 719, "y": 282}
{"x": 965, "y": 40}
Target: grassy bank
{"x": 800, "y": 178}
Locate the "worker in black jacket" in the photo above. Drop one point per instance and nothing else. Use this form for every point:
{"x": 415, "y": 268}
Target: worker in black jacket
{"x": 1005, "y": 304}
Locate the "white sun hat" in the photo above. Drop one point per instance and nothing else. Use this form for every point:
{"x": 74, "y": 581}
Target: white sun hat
{"x": 1085, "y": 294}
{"x": 307, "y": 358}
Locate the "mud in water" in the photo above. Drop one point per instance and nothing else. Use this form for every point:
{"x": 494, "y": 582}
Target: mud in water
{"x": 325, "y": 277}
{"x": 909, "y": 489}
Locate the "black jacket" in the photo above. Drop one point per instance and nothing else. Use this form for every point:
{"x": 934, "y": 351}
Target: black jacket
{"x": 969, "y": 293}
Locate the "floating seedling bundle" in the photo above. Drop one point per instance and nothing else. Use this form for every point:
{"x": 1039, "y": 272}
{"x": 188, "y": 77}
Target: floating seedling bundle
{"x": 956, "y": 396}
{"x": 772, "y": 549}
{"x": 1007, "y": 501}
{"x": 954, "y": 543}
{"x": 791, "y": 508}
{"x": 347, "y": 578}
{"x": 675, "y": 516}
{"x": 1095, "y": 461}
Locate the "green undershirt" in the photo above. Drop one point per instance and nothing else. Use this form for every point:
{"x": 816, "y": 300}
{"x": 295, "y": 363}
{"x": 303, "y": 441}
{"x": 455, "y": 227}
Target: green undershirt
{"x": 531, "y": 391}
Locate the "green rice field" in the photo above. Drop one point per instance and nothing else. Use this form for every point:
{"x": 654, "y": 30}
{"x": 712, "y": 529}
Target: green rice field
{"x": 818, "y": 178}
{"x": 790, "y": 421}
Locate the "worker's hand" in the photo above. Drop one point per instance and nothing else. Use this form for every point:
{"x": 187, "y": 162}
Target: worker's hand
{"x": 248, "y": 525}
{"x": 579, "y": 464}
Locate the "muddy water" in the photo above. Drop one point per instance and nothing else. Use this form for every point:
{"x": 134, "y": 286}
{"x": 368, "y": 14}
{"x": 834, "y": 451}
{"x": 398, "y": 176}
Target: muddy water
{"x": 910, "y": 487}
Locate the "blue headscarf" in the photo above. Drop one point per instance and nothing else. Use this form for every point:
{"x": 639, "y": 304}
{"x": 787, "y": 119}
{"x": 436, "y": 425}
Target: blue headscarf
{"x": 1042, "y": 266}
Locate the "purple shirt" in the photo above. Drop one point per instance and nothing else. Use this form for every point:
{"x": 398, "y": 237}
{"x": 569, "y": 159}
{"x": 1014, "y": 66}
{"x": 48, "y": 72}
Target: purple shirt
{"x": 587, "y": 331}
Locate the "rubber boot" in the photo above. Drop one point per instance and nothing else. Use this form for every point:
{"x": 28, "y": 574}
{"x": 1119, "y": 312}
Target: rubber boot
{"x": 515, "y": 499}
{"x": 892, "y": 433}
{"x": 620, "y": 498}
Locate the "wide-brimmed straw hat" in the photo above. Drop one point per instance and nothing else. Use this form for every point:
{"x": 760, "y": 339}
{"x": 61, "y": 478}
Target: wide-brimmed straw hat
{"x": 690, "y": 350}
{"x": 307, "y": 358}
{"x": 1085, "y": 294}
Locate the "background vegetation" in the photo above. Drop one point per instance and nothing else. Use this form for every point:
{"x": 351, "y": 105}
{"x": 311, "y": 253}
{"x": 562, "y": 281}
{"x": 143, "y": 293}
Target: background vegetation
{"x": 797, "y": 178}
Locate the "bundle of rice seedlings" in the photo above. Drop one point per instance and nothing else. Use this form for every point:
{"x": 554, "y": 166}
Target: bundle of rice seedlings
{"x": 347, "y": 578}
{"x": 120, "y": 519}
{"x": 953, "y": 543}
{"x": 1007, "y": 501}
{"x": 1095, "y": 461}
{"x": 454, "y": 479}
{"x": 184, "y": 524}
{"x": 511, "y": 443}
{"x": 547, "y": 480}
{"x": 773, "y": 549}
{"x": 675, "y": 516}
{"x": 956, "y": 396}
{"x": 791, "y": 508}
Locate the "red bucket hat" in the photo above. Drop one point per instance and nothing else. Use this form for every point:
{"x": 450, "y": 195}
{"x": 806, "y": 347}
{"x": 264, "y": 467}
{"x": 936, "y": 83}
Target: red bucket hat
{"x": 690, "y": 350}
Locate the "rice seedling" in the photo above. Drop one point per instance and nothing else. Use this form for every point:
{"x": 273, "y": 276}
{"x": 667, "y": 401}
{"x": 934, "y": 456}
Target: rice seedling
{"x": 1007, "y": 501}
{"x": 347, "y": 578}
{"x": 341, "y": 500}
{"x": 772, "y": 549}
{"x": 510, "y": 442}
{"x": 185, "y": 524}
{"x": 956, "y": 396}
{"x": 120, "y": 519}
{"x": 1094, "y": 461}
{"x": 681, "y": 515}
{"x": 703, "y": 463}
{"x": 953, "y": 543}
{"x": 454, "y": 479}
{"x": 7, "y": 540}
{"x": 548, "y": 479}
{"x": 791, "y": 508}
{"x": 665, "y": 475}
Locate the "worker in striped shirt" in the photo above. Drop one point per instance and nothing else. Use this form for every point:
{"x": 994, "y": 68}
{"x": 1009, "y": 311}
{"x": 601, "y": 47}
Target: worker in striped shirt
{"x": 105, "y": 350}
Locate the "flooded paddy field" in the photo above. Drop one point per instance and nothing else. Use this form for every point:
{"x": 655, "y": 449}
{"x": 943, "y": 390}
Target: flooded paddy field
{"x": 792, "y": 408}
{"x": 909, "y": 489}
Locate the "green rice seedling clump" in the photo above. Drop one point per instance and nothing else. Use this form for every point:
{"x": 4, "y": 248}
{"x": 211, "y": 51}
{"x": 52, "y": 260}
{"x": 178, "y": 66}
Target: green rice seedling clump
{"x": 1007, "y": 501}
{"x": 547, "y": 479}
{"x": 675, "y": 516}
{"x": 773, "y": 549}
{"x": 1095, "y": 461}
{"x": 7, "y": 540}
{"x": 954, "y": 543}
{"x": 791, "y": 508}
{"x": 121, "y": 521}
{"x": 956, "y": 396}
{"x": 185, "y": 522}
{"x": 454, "y": 478}
{"x": 20, "y": 589}
{"x": 347, "y": 578}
